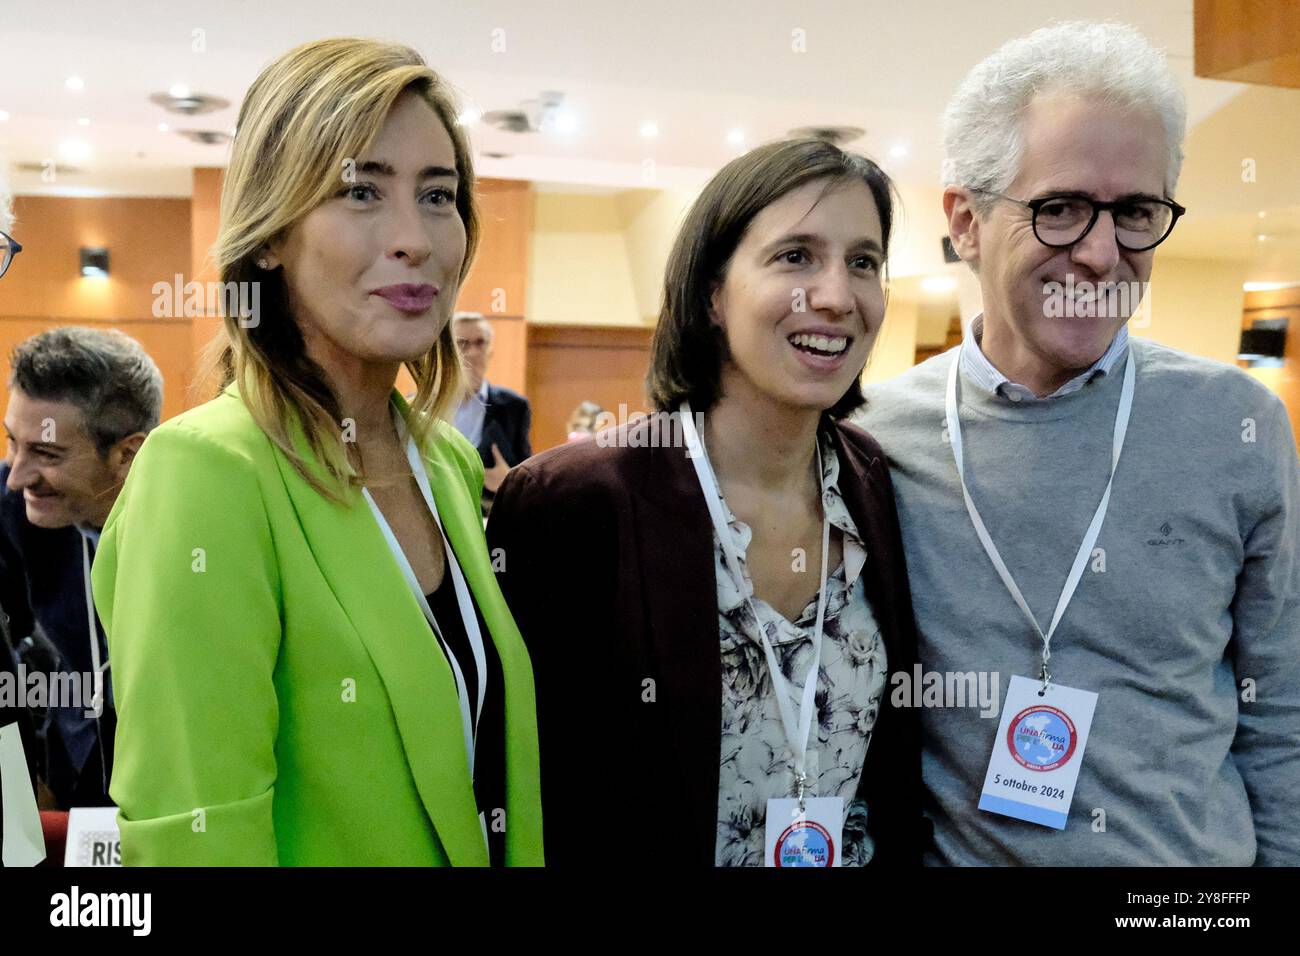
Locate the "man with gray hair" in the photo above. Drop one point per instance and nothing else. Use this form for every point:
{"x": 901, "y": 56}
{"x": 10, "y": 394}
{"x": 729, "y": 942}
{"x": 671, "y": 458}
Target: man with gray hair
{"x": 80, "y": 405}
{"x": 494, "y": 418}
{"x": 1109, "y": 525}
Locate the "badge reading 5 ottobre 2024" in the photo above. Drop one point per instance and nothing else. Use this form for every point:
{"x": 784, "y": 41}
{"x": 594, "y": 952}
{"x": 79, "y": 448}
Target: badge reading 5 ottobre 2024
{"x": 1037, "y": 752}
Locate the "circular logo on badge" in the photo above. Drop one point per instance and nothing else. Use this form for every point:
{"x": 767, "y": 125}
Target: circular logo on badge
{"x": 805, "y": 843}
{"x": 1042, "y": 738}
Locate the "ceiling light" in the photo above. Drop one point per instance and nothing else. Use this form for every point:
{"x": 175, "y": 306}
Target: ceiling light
{"x": 83, "y": 121}
{"x": 1267, "y": 286}
{"x": 649, "y": 130}
{"x": 74, "y": 83}
{"x": 938, "y": 284}
{"x": 179, "y": 91}
{"x": 736, "y": 137}
{"x": 469, "y": 117}
{"x": 898, "y": 152}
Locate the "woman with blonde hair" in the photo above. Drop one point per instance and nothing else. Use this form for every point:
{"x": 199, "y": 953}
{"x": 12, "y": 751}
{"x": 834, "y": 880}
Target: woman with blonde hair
{"x": 312, "y": 661}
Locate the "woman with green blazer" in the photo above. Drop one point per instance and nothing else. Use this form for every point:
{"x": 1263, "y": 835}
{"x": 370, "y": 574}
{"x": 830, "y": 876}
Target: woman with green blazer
{"x": 313, "y": 664}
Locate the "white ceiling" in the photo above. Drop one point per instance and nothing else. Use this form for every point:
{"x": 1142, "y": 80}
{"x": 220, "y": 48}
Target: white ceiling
{"x": 696, "y": 70}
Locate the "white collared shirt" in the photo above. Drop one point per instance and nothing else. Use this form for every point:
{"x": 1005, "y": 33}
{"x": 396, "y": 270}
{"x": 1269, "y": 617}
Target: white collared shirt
{"x": 470, "y": 416}
{"x": 976, "y": 366}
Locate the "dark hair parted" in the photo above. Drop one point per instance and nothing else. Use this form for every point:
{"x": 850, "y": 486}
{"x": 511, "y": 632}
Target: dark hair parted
{"x": 106, "y": 374}
{"x": 688, "y": 350}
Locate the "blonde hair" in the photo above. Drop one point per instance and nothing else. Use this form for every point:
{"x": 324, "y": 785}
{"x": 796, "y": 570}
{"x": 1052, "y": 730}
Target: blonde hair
{"x": 312, "y": 111}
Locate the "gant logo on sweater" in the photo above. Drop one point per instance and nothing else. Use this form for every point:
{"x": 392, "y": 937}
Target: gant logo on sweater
{"x": 1166, "y": 537}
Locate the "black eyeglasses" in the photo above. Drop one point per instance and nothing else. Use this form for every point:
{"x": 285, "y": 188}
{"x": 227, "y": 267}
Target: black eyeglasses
{"x": 1141, "y": 223}
{"x": 9, "y": 248}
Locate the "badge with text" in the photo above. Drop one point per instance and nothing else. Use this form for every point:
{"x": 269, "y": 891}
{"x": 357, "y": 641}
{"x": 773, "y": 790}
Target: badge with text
{"x": 93, "y": 838}
{"x": 1037, "y": 752}
{"x": 804, "y": 838}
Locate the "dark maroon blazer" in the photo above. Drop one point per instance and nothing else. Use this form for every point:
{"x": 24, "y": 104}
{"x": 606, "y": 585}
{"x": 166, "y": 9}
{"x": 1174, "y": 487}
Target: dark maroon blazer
{"x": 607, "y": 563}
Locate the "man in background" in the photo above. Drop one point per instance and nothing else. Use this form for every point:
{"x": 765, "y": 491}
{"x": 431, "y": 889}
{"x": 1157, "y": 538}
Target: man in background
{"x": 495, "y": 419}
{"x": 80, "y": 404}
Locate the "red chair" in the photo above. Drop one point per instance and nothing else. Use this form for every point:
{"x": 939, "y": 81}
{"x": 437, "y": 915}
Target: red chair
{"x": 54, "y": 823}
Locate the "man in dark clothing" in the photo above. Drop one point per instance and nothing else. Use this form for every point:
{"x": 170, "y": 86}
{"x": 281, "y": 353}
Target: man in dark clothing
{"x": 495, "y": 419}
{"x": 81, "y": 402}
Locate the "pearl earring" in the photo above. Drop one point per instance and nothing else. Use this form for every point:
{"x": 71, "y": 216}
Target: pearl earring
{"x": 263, "y": 264}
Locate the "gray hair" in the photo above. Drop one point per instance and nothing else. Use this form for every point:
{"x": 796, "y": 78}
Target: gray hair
{"x": 476, "y": 317}
{"x": 982, "y": 135}
{"x": 108, "y": 375}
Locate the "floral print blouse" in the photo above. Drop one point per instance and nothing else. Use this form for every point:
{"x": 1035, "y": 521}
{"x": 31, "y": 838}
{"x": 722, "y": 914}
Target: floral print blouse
{"x": 756, "y": 762}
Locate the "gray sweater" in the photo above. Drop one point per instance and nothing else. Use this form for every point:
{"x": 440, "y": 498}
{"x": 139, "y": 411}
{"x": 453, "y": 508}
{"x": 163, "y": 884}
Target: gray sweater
{"x": 1186, "y": 622}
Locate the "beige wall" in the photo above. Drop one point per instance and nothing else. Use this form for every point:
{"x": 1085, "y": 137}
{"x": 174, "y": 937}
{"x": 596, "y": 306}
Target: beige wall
{"x": 1195, "y": 306}
{"x": 578, "y": 268}
{"x": 651, "y": 220}
{"x": 895, "y": 349}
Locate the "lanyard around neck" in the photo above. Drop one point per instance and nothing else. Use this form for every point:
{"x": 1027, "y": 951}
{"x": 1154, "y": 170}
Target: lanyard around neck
{"x": 1094, "y": 529}
{"x": 97, "y": 664}
{"x": 796, "y": 730}
{"x": 467, "y": 612}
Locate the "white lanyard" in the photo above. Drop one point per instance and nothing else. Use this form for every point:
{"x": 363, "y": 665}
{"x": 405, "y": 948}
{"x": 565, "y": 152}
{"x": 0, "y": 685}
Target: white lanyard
{"x": 796, "y": 734}
{"x": 467, "y": 613}
{"x": 98, "y": 666}
{"x": 1094, "y": 529}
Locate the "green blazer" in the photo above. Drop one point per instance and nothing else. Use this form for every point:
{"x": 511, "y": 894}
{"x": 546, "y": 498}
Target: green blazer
{"x": 281, "y": 698}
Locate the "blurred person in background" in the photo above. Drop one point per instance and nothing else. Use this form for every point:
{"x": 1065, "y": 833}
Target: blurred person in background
{"x": 582, "y": 421}
{"x": 495, "y": 419}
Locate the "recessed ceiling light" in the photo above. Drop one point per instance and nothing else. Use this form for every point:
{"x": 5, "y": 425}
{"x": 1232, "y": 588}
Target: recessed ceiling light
{"x": 74, "y": 83}
{"x": 649, "y": 130}
{"x": 163, "y": 127}
{"x": 565, "y": 122}
{"x": 179, "y": 90}
{"x": 83, "y": 121}
{"x": 898, "y": 152}
{"x": 469, "y": 117}
{"x": 4, "y": 116}
{"x": 736, "y": 137}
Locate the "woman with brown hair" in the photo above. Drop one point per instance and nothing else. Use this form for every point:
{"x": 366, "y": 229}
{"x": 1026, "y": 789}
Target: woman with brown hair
{"x": 312, "y": 660}
{"x": 719, "y": 694}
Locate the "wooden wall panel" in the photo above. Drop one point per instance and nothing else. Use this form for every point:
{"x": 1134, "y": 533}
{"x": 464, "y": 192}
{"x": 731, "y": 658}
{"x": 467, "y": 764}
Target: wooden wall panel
{"x": 1248, "y": 41}
{"x": 570, "y": 364}
{"x": 497, "y": 282}
{"x": 148, "y": 241}
{"x": 166, "y": 340}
